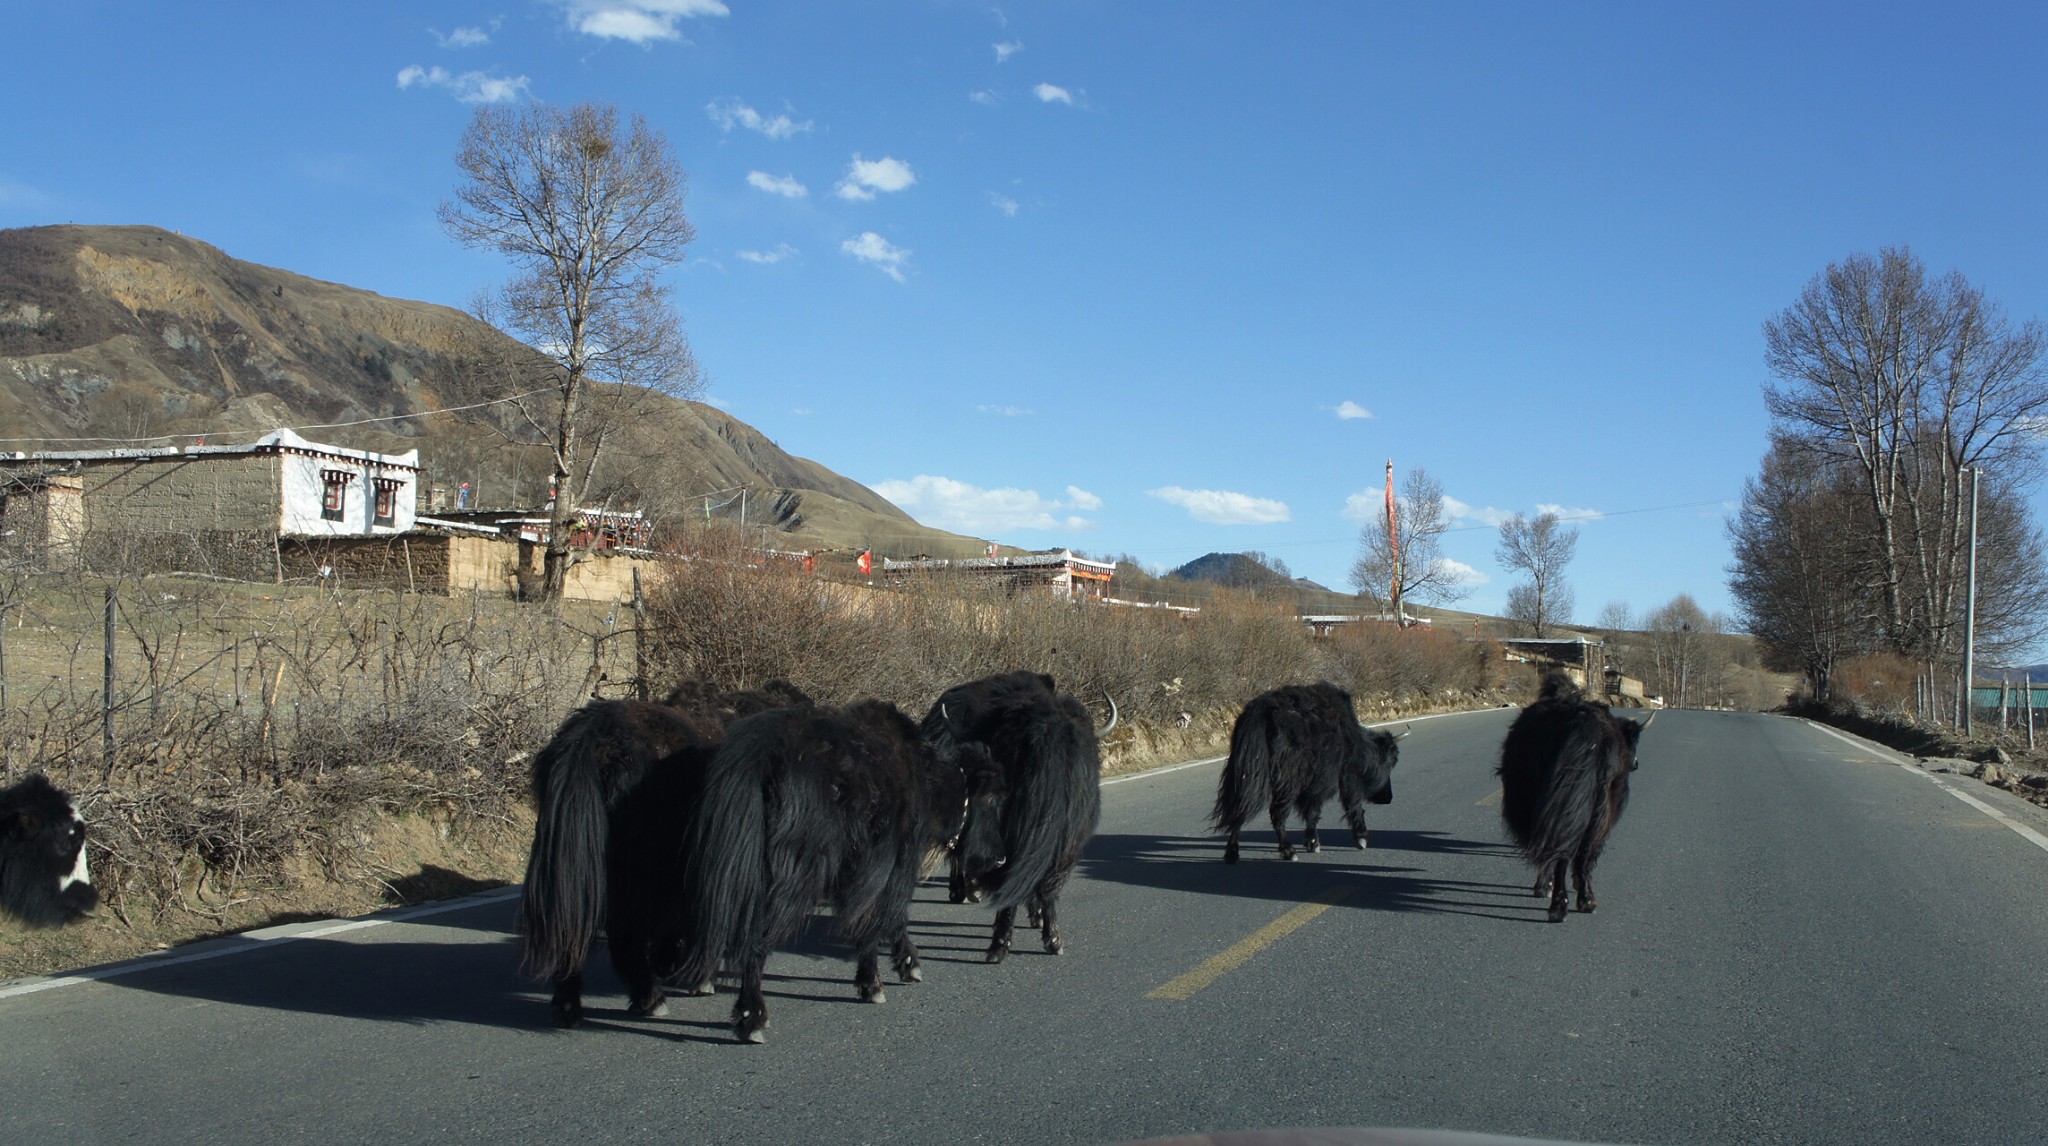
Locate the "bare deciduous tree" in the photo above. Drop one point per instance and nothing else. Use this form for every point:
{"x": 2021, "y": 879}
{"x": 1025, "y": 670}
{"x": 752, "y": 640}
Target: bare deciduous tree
{"x": 590, "y": 214}
{"x": 1911, "y": 381}
{"x": 1683, "y": 663}
{"x": 1420, "y": 519}
{"x": 1539, "y": 549}
{"x": 1806, "y": 577}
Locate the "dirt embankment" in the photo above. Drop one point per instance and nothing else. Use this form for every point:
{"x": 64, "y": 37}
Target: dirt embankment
{"x": 2000, "y": 759}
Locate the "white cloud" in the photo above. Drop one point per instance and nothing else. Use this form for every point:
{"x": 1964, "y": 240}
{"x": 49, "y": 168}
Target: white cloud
{"x": 1348, "y": 410}
{"x": 469, "y": 87}
{"x": 1569, "y": 513}
{"x": 1053, "y": 93}
{"x": 872, "y": 248}
{"x": 1460, "y": 573}
{"x": 1007, "y": 411}
{"x": 636, "y": 21}
{"x": 864, "y": 178}
{"x": 1221, "y": 507}
{"x": 1003, "y": 203}
{"x": 1469, "y": 513}
{"x": 984, "y": 98}
{"x": 785, "y": 186}
{"x": 782, "y": 251}
{"x": 463, "y": 37}
{"x": 963, "y": 508}
{"x": 1006, "y": 49}
{"x": 731, "y": 113}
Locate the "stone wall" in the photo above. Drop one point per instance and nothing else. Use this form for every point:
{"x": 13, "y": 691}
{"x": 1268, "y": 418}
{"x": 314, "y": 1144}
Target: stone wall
{"x": 444, "y": 563}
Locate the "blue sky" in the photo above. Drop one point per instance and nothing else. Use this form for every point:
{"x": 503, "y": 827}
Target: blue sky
{"x": 1146, "y": 278}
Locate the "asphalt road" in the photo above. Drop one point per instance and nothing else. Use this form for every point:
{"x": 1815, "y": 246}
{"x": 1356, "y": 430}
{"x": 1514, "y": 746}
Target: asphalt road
{"x": 1797, "y": 942}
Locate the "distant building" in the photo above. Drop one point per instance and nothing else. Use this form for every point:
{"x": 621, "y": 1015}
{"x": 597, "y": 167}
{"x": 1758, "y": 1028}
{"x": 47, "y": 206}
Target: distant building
{"x": 1066, "y": 574}
{"x": 211, "y": 509}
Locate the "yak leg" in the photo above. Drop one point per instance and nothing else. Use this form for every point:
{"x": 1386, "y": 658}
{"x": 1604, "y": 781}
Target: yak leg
{"x": 1582, "y": 875}
{"x": 999, "y": 942}
{"x": 1047, "y": 899}
{"x": 1230, "y": 848}
{"x": 1354, "y": 817}
{"x": 1309, "y": 816}
{"x": 632, "y": 957}
{"x": 1279, "y": 814}
{"x": 867, "y": 977}
{"x": 750, "y": 1010}
{"x": 1557, "y": 908}
{"x": 566, "y": 1007}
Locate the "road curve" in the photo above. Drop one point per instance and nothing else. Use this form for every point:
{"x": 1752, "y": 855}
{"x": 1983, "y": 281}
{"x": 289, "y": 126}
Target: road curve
{"x": 1798, "y": 941}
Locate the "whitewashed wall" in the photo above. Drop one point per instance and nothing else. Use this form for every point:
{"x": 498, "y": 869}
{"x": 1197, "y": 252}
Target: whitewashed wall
{"x": 304, "y": 489}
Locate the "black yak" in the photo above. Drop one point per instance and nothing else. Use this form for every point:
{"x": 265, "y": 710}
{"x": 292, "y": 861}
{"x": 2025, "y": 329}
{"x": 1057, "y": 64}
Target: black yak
{"x": 44, "y": 879}
{"x": 725, "y": 706}
{"x": 614, "y": 791}
{"x": 1297, "y": 746}
{"x": 1037, "y": 804}
{"x": 1564, "y": 781}
{"x": 811, "y": 805}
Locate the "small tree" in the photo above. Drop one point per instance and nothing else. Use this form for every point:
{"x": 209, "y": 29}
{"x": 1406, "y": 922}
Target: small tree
{"x": 1684, "y": 664}
{"x": 1420, "y": 519}
{"x": 1540, "y": 549}
{"x": 591, "y": 215}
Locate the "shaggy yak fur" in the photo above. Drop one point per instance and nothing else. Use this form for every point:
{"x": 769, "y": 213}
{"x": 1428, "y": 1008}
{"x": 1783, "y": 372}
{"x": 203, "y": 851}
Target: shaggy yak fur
{"x": 43, "y": 876}
{"x": 1297, "y": 746}
{"x": 614, "y": 791}
{"x": 803, "y": 806}
{"x": 1038, "y": 804}
{"x": 1564, "y": 781}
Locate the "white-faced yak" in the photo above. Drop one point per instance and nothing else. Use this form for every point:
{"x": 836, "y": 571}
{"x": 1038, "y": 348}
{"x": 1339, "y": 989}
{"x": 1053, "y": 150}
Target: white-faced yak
{"x": 1295, "y": 747}
{"x": 44, "y": 879}
{"x": 803, "y": 806}
{"x": 1036, "y": 807}
{"x": 1564, "y": 781}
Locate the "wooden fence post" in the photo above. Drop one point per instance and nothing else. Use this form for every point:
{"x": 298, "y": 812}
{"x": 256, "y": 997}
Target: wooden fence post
{"x": 107, "y": 692}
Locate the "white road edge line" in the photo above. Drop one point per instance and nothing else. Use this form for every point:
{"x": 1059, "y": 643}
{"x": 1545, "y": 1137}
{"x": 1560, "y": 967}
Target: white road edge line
{"x": 2026, "y": 833}
{"x": 1164, "y": 769}
{"x": 249, "y": 941}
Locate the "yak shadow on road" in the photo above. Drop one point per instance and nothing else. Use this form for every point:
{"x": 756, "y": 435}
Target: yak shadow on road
{"x": 473, "y": 979}
{"x": 1194, "y": 865}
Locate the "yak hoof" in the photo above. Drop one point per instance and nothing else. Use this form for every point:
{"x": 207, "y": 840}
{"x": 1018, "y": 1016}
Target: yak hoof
{"x": 997, "y": 954}
{"x": 566, "y": 1017}
{"x": 707, "y": 987}
{"x": 1288, "y": 856}
{"x": 877, "y": 995}
{"x": 913, "y": 974}
{"x": 1557, "y": 913}
{"x": 757, "y": 1035}
{"x": 1230, "y": 857}
{"x": 653, "y": 1010}
{"x": 1054, "y": 945}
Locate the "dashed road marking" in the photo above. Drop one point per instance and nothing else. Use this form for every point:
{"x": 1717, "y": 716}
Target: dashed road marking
{"x": 1241, "y": 952}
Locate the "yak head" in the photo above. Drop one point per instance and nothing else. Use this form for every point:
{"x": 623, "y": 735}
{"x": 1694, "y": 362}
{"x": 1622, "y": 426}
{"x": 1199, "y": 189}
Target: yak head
{"x": 44, "y": 879}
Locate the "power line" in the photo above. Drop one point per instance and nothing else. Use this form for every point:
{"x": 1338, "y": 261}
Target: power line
{"x": 294, "y": 429}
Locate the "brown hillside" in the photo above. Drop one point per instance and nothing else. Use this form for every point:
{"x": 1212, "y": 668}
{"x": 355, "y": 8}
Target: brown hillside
{"x": 116, "y": 334}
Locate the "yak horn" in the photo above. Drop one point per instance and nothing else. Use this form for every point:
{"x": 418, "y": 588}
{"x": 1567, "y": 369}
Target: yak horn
{"x": 1403, "y": 734}
{"x": 1104, "y": 730}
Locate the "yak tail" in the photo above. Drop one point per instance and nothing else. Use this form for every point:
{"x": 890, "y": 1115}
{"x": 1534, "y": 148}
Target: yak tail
{"x": 1573, "y": 799}
{"x": 1247, "y": 785}
{"x": 1059, "y": 800}
{"x": 726, "y": 854}
{"x": 562, "y": 905}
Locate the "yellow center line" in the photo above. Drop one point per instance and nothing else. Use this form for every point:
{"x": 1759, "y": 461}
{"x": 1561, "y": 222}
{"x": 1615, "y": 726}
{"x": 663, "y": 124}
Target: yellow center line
{"x": 1493, "y": 799}
{"x": 1241, "y": 952}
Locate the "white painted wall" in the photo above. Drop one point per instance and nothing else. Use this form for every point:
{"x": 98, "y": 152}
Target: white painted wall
{"x": 304, "y": 489}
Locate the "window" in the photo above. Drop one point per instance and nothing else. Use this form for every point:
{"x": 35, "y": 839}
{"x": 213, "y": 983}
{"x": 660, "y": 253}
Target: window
{"x": 387, "y": 500}
{"x": 334, "y": 498}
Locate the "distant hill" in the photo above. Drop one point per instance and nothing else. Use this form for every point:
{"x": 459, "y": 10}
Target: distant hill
{"x": 128, "y": 332}
{"x": 1241, "y": 571}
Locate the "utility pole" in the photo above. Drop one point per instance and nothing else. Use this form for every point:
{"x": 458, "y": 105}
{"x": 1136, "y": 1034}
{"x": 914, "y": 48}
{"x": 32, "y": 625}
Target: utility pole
{"x": 1970, "y": 615}
{"x": 1394, "y": 547}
